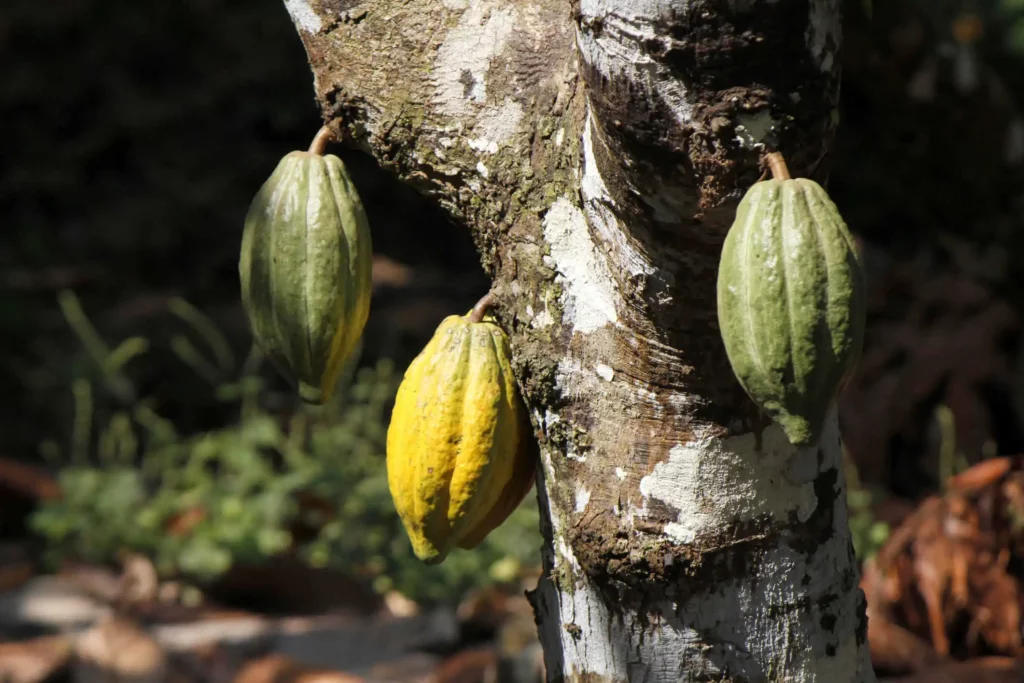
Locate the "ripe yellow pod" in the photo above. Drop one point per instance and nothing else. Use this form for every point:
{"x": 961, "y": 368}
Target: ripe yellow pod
{"x": 460, "y": 451}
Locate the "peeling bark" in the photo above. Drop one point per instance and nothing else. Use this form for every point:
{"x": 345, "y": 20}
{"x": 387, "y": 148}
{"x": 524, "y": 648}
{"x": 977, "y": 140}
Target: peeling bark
{"x": 596, "y": 152}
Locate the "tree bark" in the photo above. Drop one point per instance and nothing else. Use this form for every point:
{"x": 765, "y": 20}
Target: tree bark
{"x": 596, "y": 150}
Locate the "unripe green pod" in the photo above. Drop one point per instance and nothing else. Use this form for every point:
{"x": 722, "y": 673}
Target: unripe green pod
{"x": 305, "y": 269}
{"x": 791, "y": 301}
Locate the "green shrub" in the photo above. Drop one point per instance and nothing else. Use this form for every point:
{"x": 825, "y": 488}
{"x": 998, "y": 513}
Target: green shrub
{"x": 133, "y": 485}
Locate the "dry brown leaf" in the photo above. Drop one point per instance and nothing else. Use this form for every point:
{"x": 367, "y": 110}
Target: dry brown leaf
{"x": 491, "y": 606}
{"x": 182, "y": 523}
{"x": 117, "y": 650}
{"x": 984, "y": 473}
{"x": 944, "y": 574}
{"x": 995, "y": 613}
{"x": 415, "y": 667}
{"x": 478, "y": 665}
{"x": 895, "y": 649}
{"x": 32, "y": 661}
{"x": 280, "y": 669}
{"x": 981, "y": 670}
{"x": 390, "y": 273}
{"x": 139, "y": 581}
{"x": 27, "y": 481}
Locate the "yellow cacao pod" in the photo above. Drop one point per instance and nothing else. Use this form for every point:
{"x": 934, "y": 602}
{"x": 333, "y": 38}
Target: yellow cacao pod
{"x": 460, "y": 451}
{"x": 305, "y": 269}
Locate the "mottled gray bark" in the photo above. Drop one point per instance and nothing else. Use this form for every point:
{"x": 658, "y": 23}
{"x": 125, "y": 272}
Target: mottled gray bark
{"x": 596, "y": 151}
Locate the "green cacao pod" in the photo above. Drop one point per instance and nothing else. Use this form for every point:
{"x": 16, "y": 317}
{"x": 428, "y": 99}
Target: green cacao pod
{"x": 460, "y": 451}
{"x": 305, "y": 269}
{"x": 791, "y": 301}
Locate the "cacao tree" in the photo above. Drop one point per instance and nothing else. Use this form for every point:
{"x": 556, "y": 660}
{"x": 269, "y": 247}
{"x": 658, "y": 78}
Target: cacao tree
{"x": 596, "y": 150}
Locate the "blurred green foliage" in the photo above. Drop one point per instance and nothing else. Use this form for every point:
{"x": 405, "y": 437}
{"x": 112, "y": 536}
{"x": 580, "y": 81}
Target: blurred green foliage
{"x": 1012, "y": 13}
{"x": 196, "y": 504}
{"x": 869, "y": 534}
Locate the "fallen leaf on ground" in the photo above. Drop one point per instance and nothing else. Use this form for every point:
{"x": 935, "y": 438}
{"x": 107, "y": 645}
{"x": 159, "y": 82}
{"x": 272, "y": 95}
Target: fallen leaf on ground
{"x": 477, "y": 665}
{"x": 281, "y": 669}
{"x": 981, "y": 670}
{"x": 895, "y": 649}
{"x": 27, "y": 481}
{"x": 400, "y": 606}
{"x": 416, "y": 667}
{"x": 33, "y": 661}
{"x": 117, "y": 649}
{"x": 948, "y": 573}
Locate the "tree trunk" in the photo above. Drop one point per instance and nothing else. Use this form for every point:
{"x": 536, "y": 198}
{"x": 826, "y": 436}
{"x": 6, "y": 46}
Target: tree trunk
{"x": 596, "y": 150}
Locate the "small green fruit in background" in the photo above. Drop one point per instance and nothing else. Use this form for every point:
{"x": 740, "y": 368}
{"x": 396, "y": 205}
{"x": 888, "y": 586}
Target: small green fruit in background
{"x": 305, "y": 268}
{"x": 791, "y": 300}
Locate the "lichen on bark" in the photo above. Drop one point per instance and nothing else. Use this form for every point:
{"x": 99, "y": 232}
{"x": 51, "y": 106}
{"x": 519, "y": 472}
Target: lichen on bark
{"x": 596, "y": 151}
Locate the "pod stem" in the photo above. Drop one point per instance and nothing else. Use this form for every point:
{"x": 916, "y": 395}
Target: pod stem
{"x": 477, "y": 314}
{"x": 777, "y": 164}
{"x": 319, "y": 144}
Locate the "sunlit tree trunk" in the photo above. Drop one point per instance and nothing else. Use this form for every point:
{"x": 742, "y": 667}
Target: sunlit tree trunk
{"x": 596, "y": 151}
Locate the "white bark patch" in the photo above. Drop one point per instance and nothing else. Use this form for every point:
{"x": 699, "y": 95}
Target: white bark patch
{"x": 588, "y": 294}
{"x": 681, "y": 403}
{"x": 547, "y": 420}
{"x": 564, "y": 555}
{"x": 582, "y": 499}
{"x": 604, "y": 372}
{"x": 620, "y": 51}
{"x": 543, "y": 319}
{"x": 649, "y": 400}
{"x": 481, "y": 169}
{"x": 714, "y": 482}
{"x": 598, "y": 203}
{"x": 496, "y": 126}
{"x": 787, "y": 577}
{"x": 620, "y": 473}
{"x": 460, "y": 68}
{"x": 303, "y": 15}
{"x": 600, "y": 650}
{"x": 824, "y": 32}
{"x": 593, "y": 186}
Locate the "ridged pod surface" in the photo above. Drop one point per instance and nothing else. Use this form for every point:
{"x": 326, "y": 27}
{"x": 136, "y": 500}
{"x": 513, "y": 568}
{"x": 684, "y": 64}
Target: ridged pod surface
{"x": 305, "y": 269}
{"x": 460, "y": 451}
{"x": 791, "y": 302}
